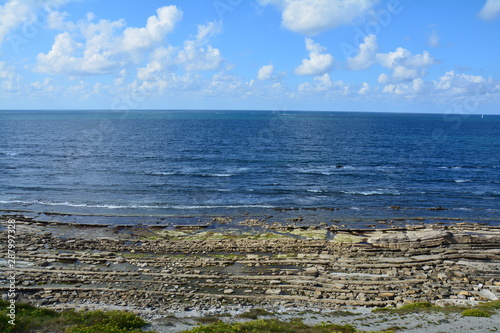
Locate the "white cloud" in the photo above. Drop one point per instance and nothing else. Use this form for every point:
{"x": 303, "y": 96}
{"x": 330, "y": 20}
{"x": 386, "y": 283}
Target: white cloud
{"x": 56, "y": 21}
{"x": 320, "y": 83}
{"x": 405, "y": 66}
{"x": 408, "y": 89}
{"x": 194, "y": 56}
{"x": 364, "y": 89}
{"x": 14, "y": 13}
{"x": 199, "y": 58}
{"x": 47, "y": 86}
{"x": 454, "y": 83}
{"x": 162, "y": 59}
{"x": 318, "y": 63}
{"x": 324, "y": 83}
{"x": 433, "y": 40}
{"x": 265, "y": 72}
{"x": 70, "y": 57}
{"x": 311, "y": 17}
{"x": 10, "y": 81}
{"x": 366, "y": 56}
{"x": 207, "y": 31}
{"x": 89, "y": 47}
{"x": 17, "y": 13}
{"x": 490, "y": 10}
{"x": 157, "y": 27}
{"x": 383, "y": 78}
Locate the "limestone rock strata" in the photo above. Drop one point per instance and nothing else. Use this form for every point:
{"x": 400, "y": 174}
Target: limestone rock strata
{"x": 369, "y": 268}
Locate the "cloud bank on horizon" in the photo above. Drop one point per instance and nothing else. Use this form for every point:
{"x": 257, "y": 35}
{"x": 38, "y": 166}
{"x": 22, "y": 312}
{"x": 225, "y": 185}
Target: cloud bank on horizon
{"x": 373, "y": 55}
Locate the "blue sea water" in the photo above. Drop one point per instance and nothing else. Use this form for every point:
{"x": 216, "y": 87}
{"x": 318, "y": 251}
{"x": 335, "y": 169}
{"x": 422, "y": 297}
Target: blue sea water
{"x": 319, "y": 166}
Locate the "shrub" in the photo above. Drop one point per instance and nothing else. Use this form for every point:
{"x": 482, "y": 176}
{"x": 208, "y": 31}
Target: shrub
{"x": 30, "y": 318}
{"x": 255, "y": 313}
{"x": 476, "y": 313}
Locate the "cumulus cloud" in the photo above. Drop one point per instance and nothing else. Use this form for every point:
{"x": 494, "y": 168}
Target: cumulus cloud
{"x": 405, "y": 66}
{"x": 454, "y": 83}
{"x": 366, "y": 56}
{"x": 10, "y": 81}
{"x": 319, "y": 61}
{"x": 490, "y": 10}
{"x": 196, "y": 55}
{"x": 157, "y": 27}
{"x": 162, "y": 59}
{"x": 265, "y": 72}
{"x": 324, "y": 83}
{"x": 101, "y": 47}
{"x": 15, "y": 13}
{"x": 405, "y": 88}
{"x": 364, "y": 89}
{"x": 310, "y": 17}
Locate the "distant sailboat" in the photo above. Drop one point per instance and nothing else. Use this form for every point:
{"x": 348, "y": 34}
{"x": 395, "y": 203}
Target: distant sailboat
{"x": 482, "y": 116}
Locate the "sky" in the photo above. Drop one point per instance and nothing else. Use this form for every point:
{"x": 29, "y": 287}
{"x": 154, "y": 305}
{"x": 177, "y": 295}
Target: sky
{"x": 438, "y": 56}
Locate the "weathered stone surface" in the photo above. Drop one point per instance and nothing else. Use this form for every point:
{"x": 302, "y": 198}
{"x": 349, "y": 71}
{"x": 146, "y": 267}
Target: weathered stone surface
{"x": 488, "y": 294}
{"x": 435, "y": 264}
{"x": 273, "y": 292}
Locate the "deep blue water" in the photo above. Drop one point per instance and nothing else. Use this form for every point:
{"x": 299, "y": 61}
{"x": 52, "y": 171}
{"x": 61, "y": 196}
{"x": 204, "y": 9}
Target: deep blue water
{"x": 351, "y": 166}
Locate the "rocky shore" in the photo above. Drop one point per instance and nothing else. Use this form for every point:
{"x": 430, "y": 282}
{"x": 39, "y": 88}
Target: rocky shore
{"x": 163, "y": 270}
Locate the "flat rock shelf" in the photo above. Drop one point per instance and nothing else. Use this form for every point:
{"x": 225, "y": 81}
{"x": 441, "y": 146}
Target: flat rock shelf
{"x": 163, "y": 270}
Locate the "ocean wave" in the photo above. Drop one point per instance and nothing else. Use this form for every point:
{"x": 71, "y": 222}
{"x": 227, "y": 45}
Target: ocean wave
{"x": 132, "y": 206}
{"x": 373, "y": 192}
{"x": 190, "y": 174}
{"x": 328, "y": 170}
{"x": 316, "y": 191}
{"x": 450, "y": 168}
{"x": 462, "y": 180}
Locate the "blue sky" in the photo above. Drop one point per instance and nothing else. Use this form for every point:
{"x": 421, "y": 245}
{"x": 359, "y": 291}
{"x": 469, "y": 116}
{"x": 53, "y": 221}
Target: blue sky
{"x": 336, "y": 55}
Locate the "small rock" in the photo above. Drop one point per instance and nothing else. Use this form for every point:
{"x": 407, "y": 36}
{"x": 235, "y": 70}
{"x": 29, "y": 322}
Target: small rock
{"x": 273, "y": 292}
{"x": 488, "y": 295}
{"x": 311, "y": 271}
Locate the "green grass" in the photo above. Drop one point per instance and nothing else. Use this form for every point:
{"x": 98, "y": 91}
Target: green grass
{"x": 481, "y": 310}
{"x": 493, "y": 305}
{"x": 41, "y": 320}
{"x": 274, "y": 326}
{"x": 208, "y": 319}
{"x": 255, "y": 314}
{"x": 342, "y": 313}
{"x": 476, "y": 313}
{"x": 412, "y": 307}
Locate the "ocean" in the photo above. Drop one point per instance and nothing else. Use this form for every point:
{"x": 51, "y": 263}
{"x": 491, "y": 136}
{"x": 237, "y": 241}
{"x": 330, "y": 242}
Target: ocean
{"x": 156, "y": 167}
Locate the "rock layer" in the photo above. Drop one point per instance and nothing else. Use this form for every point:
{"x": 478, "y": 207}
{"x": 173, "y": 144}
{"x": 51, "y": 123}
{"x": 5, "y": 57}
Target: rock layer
{"x": 165, "y": 272}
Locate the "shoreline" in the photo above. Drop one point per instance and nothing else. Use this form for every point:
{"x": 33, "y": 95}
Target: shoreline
{"x": 158, "y": 270}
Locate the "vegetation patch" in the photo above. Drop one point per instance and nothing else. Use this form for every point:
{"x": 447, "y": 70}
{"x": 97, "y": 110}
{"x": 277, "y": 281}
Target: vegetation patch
{"x": 255, "y": 314}
{"x": 412, "y": 307}
{"x": 343, "y": 313}
{"x": 493, "y": 305}
{"x": 207, "y": 320}
{"x": 274, "y": 326}
{"x": 310, "y": 234}
{"x": 348, "y": 239}
{"x": 41, "y": 320}
{"x": 476, "y": 313}
{"x": 481, "y": 310}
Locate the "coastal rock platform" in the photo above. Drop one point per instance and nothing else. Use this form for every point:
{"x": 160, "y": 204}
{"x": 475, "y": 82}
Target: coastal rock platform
{"x": 160, "y": 269}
